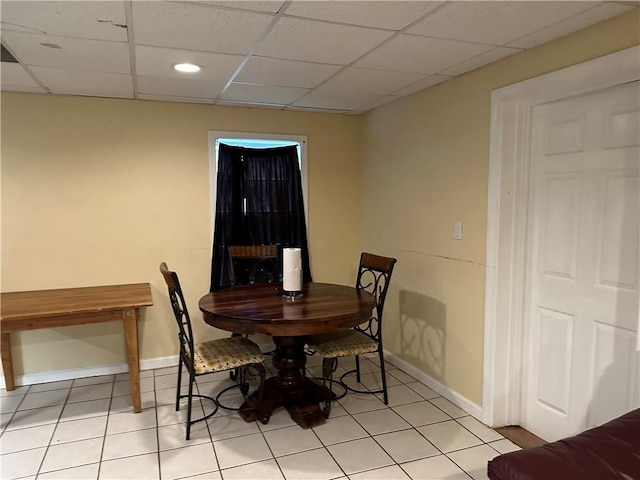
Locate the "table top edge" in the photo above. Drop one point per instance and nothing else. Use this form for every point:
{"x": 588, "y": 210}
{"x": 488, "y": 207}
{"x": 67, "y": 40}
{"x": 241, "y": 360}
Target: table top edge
{"x": 141, "y": 293}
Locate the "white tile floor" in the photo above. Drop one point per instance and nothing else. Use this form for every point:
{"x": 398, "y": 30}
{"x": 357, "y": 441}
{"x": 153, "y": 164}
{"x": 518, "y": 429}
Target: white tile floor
{"x": 84, "y": 429}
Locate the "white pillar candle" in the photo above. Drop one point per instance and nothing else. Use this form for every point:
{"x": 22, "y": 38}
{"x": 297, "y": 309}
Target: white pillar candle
{"x": 291, "y": 269}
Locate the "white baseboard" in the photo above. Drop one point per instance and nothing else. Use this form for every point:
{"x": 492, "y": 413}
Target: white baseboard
{"x": 454, "y": 397}
{"x": 59, "y": 375}
{"x": 171, "y": 361}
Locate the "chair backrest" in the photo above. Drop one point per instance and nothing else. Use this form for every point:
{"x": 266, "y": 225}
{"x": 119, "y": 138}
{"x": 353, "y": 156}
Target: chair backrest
{"x": 185, "y": 333}
{"x": 374, "y": 276}
{"x": 254, "y": 264}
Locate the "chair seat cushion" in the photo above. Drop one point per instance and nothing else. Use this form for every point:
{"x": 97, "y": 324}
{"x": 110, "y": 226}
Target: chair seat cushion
{"x": 225, "y": 354}
{"x": 342, "y": 344}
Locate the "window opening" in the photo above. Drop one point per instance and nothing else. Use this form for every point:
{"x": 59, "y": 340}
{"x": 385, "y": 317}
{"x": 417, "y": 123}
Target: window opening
{"x": 255, "y": 140}
{"x": 255, "y": 196}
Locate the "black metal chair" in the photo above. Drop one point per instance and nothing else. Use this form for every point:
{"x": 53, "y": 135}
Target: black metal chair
{"x": 254, "y": 264}
{"x": 234, "y": 353}
{"x": 374, "y": 276}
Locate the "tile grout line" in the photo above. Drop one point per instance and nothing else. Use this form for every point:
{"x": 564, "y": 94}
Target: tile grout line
{"x": 54, "y": 428}
{"x": 270, "y": 450}
{"x": 263, "y": 433}
{"x": 106, "y": 425}
{"x": 372, "y": 436}
{"x": 411, "y": 428}
{"x": 155, "y": 409}
{"x": 417, "y": 431}
{"x": 213, "y": 444}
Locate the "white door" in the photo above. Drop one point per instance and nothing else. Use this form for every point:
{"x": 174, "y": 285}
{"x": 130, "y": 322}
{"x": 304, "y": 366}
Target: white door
{"x": 580, "y": 363}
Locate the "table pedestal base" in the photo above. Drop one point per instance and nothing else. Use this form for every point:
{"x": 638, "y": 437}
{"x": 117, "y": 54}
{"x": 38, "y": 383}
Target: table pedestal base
{"x": 300, "y": 395}
{"x": 304, "y": 407}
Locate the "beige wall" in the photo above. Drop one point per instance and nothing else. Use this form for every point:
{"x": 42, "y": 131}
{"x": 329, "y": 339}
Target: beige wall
{"x": 426, "y": 162}
{"x": 100, "y": 191}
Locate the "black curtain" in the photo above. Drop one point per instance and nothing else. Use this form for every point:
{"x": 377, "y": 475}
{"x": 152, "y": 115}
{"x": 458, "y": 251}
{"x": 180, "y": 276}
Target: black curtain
{"x": 259, "y": 202}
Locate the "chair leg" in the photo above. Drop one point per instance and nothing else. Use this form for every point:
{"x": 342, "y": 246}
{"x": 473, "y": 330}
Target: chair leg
{"x": 233, "y": 374}
{"x": 329, "y": 366}
{"x": 262, "y": 372}
{"x": 179, "y": 382}
{"x": 308, "y": 352}
{"x": 189, "y": 400}
{"x": 263, "y": 378}
{"x": 241, "y": 379}
{"x": 384, "y": 377}
{"x": 357, "y": 368}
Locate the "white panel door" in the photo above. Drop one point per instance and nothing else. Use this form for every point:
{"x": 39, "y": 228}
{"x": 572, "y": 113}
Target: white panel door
{"x": 580, "y": 365}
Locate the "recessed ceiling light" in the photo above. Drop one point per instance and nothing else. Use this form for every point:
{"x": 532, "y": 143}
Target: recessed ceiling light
{"x": 187, "y": 67}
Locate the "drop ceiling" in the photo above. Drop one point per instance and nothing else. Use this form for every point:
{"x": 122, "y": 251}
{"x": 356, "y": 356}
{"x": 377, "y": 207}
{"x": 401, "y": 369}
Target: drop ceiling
{"x": 332, "y": 56}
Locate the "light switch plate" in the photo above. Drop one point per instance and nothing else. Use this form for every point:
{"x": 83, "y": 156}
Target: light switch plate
{"x": 457, "y": 230}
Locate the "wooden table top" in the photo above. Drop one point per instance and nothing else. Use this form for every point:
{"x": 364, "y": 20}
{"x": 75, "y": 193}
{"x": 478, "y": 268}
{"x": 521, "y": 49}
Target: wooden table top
{"x": 69, "y": 301}
{"x": 262, "y": 309}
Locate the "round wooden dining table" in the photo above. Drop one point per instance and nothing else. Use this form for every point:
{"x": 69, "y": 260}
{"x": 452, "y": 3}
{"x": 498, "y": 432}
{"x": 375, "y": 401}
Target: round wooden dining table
{"x": 262, "y": 309}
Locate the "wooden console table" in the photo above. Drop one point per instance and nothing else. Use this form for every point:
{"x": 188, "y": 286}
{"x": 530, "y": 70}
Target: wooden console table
{"x": 37, "y": 309}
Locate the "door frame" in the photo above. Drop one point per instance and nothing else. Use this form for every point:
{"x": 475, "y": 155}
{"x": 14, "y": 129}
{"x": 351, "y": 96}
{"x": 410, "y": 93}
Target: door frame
{"x": 507, "y": 215}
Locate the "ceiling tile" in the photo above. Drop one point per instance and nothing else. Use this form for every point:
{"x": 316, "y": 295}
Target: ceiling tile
{"x": 98, "y": 20}
{"x": 74, "y": 53}
{"x": 169, "y": 98}
{"x": 320, "y": 98}
{"x": 571, "y": 24}
{"x": 237, "y": 103}
{"x": 430, "y": 81}
{"x": 289, "y": 73}
{"x": 15, "y": 78}
{"x": 247, "y": 92}
{"x": 178, "y": 87}
{"x": 271, "y": 6}
{"x": 494, "y": 22}
{"x": 356, "y": 54}
{"x": 319, "y": 42}
{"x": 197, "y": 27}
{"x": 156, "y": 61}
{"x": 391, "y": 15}
{"x": 316, "y": 110}
{"x": 80, "y": 82}
{"x": 375, "y": 104}
{"x": 365, "y": 80}
{"x": 409, "y": 53}
{"x": 481, "y": 60}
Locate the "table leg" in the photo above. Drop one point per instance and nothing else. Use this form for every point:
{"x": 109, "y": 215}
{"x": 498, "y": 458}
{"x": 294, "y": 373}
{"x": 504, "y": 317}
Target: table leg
{"x": 130, "y": 322}
{"x": 7, "y": 362}
{"x": 290, "y": 389}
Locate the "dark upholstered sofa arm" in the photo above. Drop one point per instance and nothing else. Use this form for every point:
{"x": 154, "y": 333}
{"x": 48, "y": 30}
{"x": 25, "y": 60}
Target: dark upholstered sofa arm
{"x": 610, "y": 451}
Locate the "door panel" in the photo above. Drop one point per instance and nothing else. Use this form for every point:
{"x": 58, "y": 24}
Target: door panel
{"x": 560, "y": 227}
{"x": 622, "y": 126}
{"x": 618, "y": 266}
{"x": 582, "y": 299}
{"x": 612, "y": 346}
{"x": 555, "y": 340}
